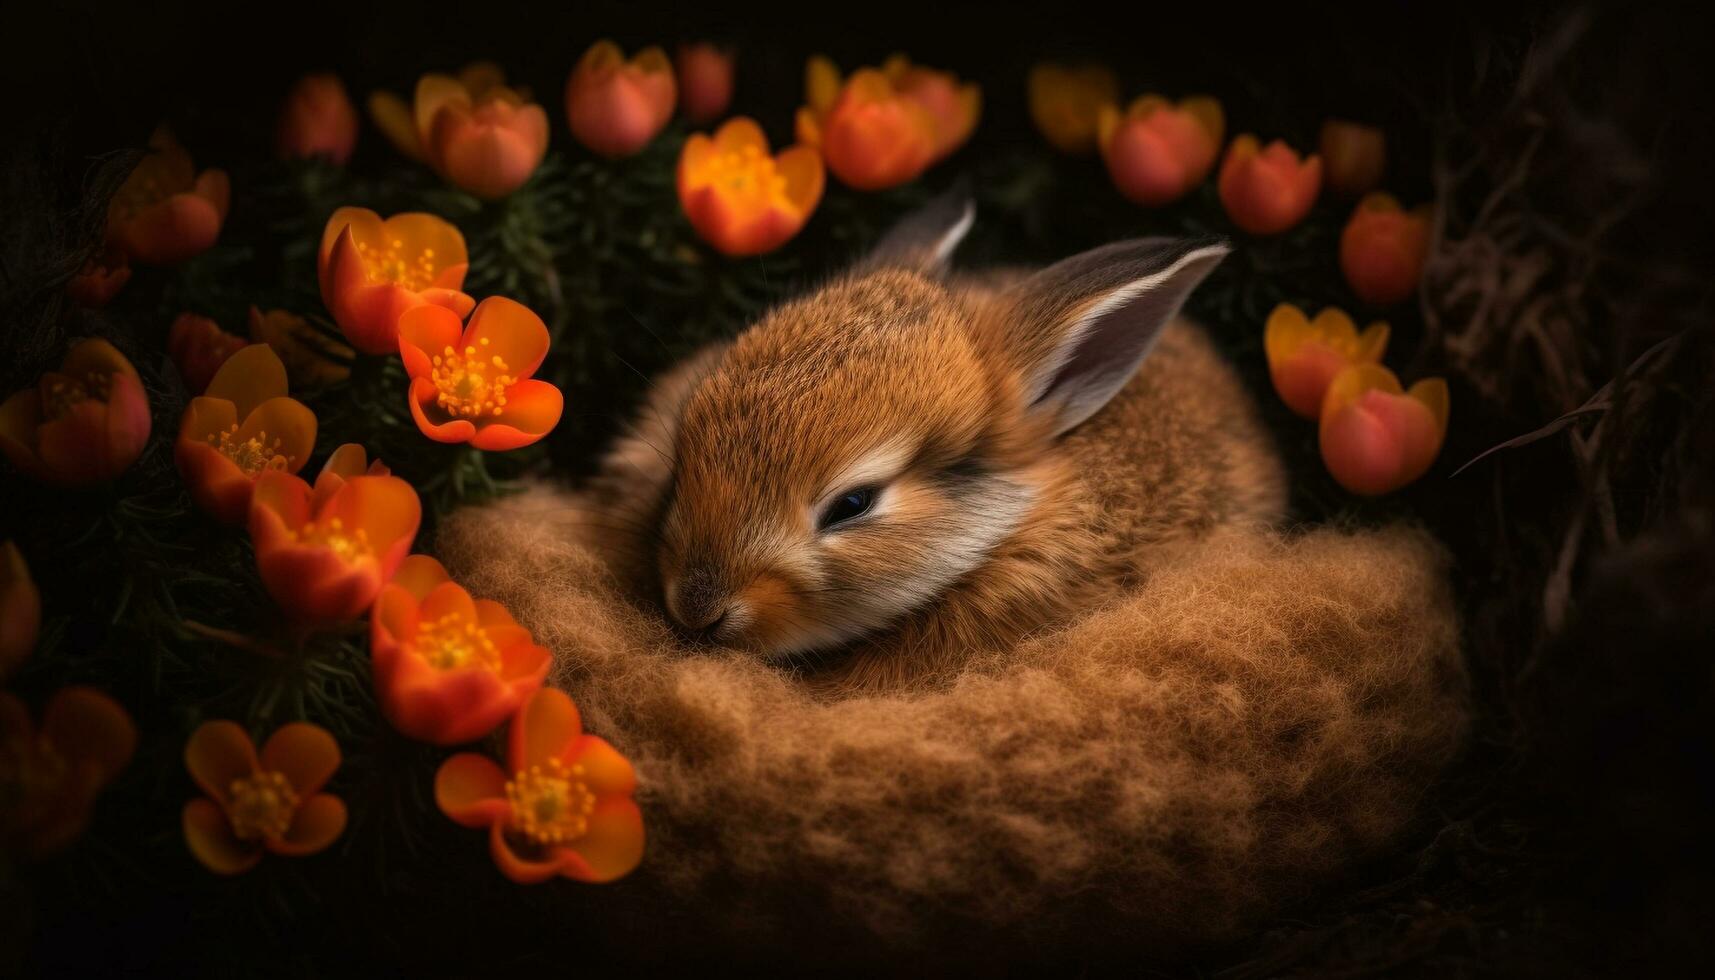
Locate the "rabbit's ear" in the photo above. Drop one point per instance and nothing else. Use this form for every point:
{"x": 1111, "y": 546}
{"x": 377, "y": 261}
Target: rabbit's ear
{"x": 924, "y": 240}
{"x": 1078, "y": 329}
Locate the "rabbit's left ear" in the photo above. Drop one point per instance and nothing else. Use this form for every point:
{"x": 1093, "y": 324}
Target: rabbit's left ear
{"x": 924, "y": 240}
{"x": 1077, "y": 330}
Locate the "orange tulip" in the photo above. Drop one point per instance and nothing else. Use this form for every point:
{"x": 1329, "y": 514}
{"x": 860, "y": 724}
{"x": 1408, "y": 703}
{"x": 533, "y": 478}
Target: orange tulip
{"x": 100, "y": 279}
{"x": 198, "y": 348}
{"x": 448, "y": 669}
{"x": 872, "y": 136}
{"x": 614, "y": 106}
{"x": 1355, "y": 156}
{"x": 372, "y": 271}
{"x": 474, "y": 384}
{"x": 567, "y": 808}
{"x": 311, "y": 359}
{"x": 20, "y": 609}
{"x": 1269, "y": 189}
{"x": 1066, "y": 103}
{"x": 52, "y": 776}
{"x": 256, "y": 804}
{"x": 473, "y": 130}
{"x": 1157, "y": 151}
{"x": 1383, "y": 249}
{"x": 83, "y": 424}
{"x": 705, "y": 81}
{"x": 324, "y": 553}
{"x": 953, "y": 108}
{"x": 739, "y": 198}
{"x": 243, "y": 426}
{"x": 318, "y": 120}
{"x": 166, "y": 212}
{"x": 1304, "y": 355}
{"x": 1376, "y": 437}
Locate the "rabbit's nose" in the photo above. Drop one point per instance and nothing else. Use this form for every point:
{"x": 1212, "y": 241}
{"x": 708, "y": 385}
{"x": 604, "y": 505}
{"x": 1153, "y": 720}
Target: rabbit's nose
{"x": 698, "y": 604}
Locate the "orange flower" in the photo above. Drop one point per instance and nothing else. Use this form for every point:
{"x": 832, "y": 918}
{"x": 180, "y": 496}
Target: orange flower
{"x": 739, "y": 198}
{"x": 100, "y": 279}
{"x": 372, "y": 271}
{"x": 272, "y": 802}
{"x": 1383, "y": 249}
{"x": 243, "y": 426}
{"x": 166, "y": 212}
{"x": 567, "y": 808}
{"x": 448, "y": 669}
{"x": 1304, "y": 355}
{"x": 83, "y": 424}
{"x": 20, "y": 609}
{"x": 324, "y": 553}
{"x": 1375, "y": 437}
{"x": 1066, "y": 103}
{"x": 614, "y": 106}
{"x": 318, "y": 120}
{"x": 953, "y": 107}
{"x": 52, "y": 776}
{"x": 474, "y": 385}
{"x": 1157, "y": 151}
{"x": 198, "y": 348}
{"x": 347, "y": 461}
{"x": 1269, "y": 189}
{"x": 477, "y": 133}
{"x": 872, "y": 136}
{"x": 1355, "y": 156}
{"x": 705, "y": 80}
{"x": 310, "y": 358}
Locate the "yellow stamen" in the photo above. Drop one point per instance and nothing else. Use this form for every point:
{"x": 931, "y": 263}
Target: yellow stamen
{"x": 252, "y": 455}
{"x": 454, "y": 641}
{"x": 262, "y": 805}
{"x": 347, "y": 546}
{"x": 62, "y": 395}
{"x": 550, "y": 803}
{"x": 391, "y": 263}
{"x": 749, "y": 175}
{"x": 467, "y": 385}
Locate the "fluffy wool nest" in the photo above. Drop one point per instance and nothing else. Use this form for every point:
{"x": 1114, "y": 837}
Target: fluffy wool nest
{"x": 1262, "y": 711}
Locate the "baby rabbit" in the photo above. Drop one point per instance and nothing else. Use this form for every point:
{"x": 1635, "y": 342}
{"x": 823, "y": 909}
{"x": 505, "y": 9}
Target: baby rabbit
{"x": 902, "y": 469}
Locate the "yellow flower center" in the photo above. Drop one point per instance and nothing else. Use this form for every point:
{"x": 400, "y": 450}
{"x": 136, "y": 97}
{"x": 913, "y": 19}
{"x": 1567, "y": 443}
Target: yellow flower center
{"x": 252, "y": 455}
{"x": 392, "y": 263}
{"x": 262, "y": 805}
{"x": 454, "y": 641}
{"x": 347, "y": 546}
{"x": 749, "y": 175}
{"x": 63, "y": 394}
{"x": 550, "y": 804}
{"x": 469, "y": 385}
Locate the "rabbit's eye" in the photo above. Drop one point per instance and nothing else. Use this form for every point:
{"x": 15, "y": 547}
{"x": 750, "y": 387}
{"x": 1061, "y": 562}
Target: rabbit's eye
{"x": 853, "y": 503}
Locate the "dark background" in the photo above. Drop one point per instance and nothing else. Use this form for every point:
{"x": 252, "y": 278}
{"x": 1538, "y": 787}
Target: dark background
{"x": 1572, "y": 840}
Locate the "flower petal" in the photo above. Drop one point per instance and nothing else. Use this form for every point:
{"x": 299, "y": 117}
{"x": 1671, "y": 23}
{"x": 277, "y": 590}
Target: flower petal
{"x": 521, "y": 869}
{"x": 509, "y": 330}
{"x": 422, "y": 399}
{"x": 286, "y": 427}
{"x": 307, "y": 754}
{"x": 319, "y": 822}
{"x": 248, "y": 378}
{"x": 419, "y": 574}
{"x": 393, "y": 117}
{"x": 212, "y": 841}
{"x": 544, "y": 728}
{"x": 217, "y": 753}
{"x": 532, "y": 410}
{"x": 449, "y": 599}
{"x": 605, "y": 771}
{"x": 471, "y": 790}
{"x": 425, "y": 332}
{"x": 87, "y": 727}
{"x": 613, "y": 845}
{"x": 386, "y": 508}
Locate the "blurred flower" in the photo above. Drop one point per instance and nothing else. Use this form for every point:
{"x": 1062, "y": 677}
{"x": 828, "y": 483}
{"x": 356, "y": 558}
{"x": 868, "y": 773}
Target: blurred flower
{"x": 473, "y": 384}
{"x": 1383, "y": 249}
{"x": 318, "y": 120}
{"x": 83, "y": 424}
{"x": 565, "y": 811}
{"x": 953, "y": 107}
{"x": 1354, "y": 156}
{"x": 478, "y": 134}
{"x": 1375, "y": 437}
{"x": 347, "y": 461}
{"x": 1304, "y": 355}
{"x": 705, "y": 81}
{"x": 310, "y": 358}
{"x": 324, "y": 553}
{"x": 20, "y": 609}
{"x": 166, "y": 212}
{"x": 100, "y": 279}
{"x": 198, "y": 348}
{"x": 258, "y": 804}
{"x": 1269, "y": 189}
{"x": 1065, "y": 103}
{"x": 372, "y": 271}
{"x": 739, "y": 198}
{"x": 1157, "y": 151}
{"x": 51, "y": 777}
{"x": 872, "y": 136}
{"x": 448, "y": 669}
{"x": 614, "y": 106}
{"x": 241, "y": 427}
